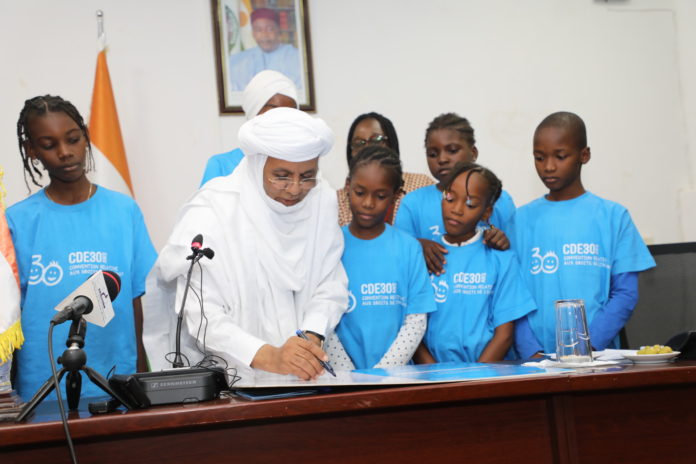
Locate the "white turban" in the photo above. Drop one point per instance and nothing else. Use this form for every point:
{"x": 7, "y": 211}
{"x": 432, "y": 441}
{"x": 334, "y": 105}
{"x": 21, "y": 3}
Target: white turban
{"x": 262, "y": 87}
{"x": 287, "y": 134}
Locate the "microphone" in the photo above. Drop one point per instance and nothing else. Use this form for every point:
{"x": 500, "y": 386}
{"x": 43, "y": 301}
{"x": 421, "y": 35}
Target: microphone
{"x": 198, "y": 250}
{"x": 82, "y": 304}
{"x": 197, "y": 255}
{"x": 196, "y": 243}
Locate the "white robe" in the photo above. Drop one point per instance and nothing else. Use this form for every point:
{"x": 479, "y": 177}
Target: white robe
{"x": 270, "y": 276}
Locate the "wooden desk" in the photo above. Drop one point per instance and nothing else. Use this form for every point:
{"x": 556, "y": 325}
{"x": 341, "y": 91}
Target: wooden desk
{"x": 642, "y": 414}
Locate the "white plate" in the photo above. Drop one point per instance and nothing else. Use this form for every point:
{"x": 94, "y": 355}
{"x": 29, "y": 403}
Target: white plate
{"x": 651, "y": 358}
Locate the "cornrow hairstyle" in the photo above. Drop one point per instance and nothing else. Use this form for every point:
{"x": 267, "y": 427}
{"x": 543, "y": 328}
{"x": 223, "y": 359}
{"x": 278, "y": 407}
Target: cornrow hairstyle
{"x": 567, "y": 120}
{"x": 384, "y": 123}
{"x": 385, "y": 157}
{"x": 495, "y": 186}
{"x": 454, "y": 122}
{"x": 39, "y": 106}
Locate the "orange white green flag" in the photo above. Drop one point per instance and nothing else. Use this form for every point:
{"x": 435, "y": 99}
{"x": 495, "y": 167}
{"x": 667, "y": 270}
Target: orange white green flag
{"x": 237, "y": 25}
{"x": 105, "y": 131}
{"x": 11, "y": 336}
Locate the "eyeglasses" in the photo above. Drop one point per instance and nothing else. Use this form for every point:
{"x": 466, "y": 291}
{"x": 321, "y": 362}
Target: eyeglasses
{"x": 357, "y": 144}
{"x": 284, "y": 183}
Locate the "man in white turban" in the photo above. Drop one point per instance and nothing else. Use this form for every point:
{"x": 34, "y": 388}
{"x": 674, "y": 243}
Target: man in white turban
{"x": 267, "y": 90}
{"x": 277, "y": 268}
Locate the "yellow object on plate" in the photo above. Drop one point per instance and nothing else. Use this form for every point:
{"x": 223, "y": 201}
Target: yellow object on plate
{"x": 654, "y": 349}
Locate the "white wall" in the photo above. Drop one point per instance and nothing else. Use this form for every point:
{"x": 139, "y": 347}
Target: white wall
{"x": 626, "y": 67}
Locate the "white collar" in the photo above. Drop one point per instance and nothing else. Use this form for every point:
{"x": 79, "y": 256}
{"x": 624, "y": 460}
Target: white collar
{"x": 477, "y": 236}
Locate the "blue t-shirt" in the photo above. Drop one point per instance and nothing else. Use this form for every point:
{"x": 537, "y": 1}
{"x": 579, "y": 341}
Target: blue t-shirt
{"x": 58, "y": 247}
{"x": 222, "y": 164}
{"x": 480, "y": 290}
{"x": 245, "y": 65}
{"x": 387, "y": 279}
{"x": 420, "y": 213}
{"x": 570, "y": 250}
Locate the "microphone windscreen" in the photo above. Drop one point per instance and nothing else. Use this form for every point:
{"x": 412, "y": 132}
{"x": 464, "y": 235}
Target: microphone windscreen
{"x": 208, "y": 253}
{"x": 113, "y": 284}
{"x": 197, "y": 241}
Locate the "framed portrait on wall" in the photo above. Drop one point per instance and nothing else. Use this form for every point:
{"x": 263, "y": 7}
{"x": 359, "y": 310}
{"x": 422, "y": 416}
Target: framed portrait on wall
{"x": 253, "y": 35}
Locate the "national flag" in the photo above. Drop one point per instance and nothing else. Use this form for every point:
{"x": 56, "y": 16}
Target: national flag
{"x": 105, "y": 131}
{"x": 11, "y": 336}
{"x": 237, "y": 25}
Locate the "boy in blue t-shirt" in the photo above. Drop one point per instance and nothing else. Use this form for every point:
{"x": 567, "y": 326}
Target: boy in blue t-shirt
{"x": 574, "y": 245}
{"x": 481, "y": 292}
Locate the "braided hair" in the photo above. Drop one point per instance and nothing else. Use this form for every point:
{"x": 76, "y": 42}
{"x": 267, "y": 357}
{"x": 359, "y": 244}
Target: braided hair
{"x": 384, "y": 123}
{"x": 39, "y": 106}
{"x": 454, "y": 122}
{"x": 495, "y": 186}
{"x": 385, "y": 157}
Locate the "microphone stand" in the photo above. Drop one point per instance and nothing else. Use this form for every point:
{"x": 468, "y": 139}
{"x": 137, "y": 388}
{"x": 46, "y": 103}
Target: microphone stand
{"x": 196, "y": 256}
{"x": 73, "y": 360}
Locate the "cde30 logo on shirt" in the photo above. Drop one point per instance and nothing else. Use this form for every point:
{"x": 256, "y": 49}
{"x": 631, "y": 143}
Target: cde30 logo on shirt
{"x": 352, "y": 302}
{"x": 381, "y": 294}
{"x": 547, "y": 264}
{"x": 50, "y": 274}
{"x": 574, "y": 254}
{"x": 441, "y": 288}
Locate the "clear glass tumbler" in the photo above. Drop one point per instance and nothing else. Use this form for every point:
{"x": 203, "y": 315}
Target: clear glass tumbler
{"x": 572, "y": 335}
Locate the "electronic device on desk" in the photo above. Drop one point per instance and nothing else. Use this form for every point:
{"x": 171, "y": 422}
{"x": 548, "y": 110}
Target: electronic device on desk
{"x": 185, "y": 385}
{"x": 180, "y": 384}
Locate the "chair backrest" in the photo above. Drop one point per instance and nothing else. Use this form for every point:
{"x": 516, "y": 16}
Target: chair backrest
{"x": 667, "y": 302}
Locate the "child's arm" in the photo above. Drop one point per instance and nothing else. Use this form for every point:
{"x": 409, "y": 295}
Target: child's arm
{"x": 422, "y": 355}
{"x": 406, "y": 342}
{"x": 499, "y": 344}
{"x": 526, "y": 343}
{"x": 434, "y": 254}
{"x": 623, "y": 296}
{"x": 338, "y": 357}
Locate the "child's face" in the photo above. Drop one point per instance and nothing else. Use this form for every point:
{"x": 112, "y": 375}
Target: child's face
{"x": 371, "y": 193}
{"x": 58, "y": 142}
{"x": 558, "y": 160}
{"x": 444, "y": 148}
{"x": 461, "y": 219}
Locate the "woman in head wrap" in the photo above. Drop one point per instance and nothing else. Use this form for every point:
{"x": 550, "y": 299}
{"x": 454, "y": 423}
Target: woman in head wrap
{"x": 374, "y": 129}
{"x": 267, "y": 90}
{"x": 273, "y": 226}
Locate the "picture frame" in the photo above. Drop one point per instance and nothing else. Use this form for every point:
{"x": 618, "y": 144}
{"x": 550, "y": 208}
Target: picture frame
{"x": 282, "y": 30}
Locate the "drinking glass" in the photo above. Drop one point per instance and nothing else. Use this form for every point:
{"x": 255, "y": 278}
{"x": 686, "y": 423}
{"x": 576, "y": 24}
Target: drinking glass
{"x": 572, "y": 336}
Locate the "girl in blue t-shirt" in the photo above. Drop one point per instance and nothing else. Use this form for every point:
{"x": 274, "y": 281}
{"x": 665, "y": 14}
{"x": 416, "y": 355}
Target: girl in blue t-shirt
{"x": 480, "y": 292}
{"x": 449, "y": 139}
{"x": 62, "y": 235}
{"x": 390, "y": 292}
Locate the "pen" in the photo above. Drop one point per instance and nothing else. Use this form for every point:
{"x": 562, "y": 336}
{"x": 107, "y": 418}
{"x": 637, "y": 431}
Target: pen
{"x": 324, "y": 364}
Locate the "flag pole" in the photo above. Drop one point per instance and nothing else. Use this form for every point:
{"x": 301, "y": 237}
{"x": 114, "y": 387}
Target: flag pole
{"x": 101, "y": 35}
{"x": 105, "y": 130}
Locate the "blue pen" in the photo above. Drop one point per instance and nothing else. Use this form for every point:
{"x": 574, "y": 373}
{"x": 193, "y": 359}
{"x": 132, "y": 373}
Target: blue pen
{"x": 324, "y": 364}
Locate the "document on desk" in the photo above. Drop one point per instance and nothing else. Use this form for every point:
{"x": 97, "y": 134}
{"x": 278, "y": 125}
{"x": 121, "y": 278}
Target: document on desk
{"x": 402, "y": 375}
